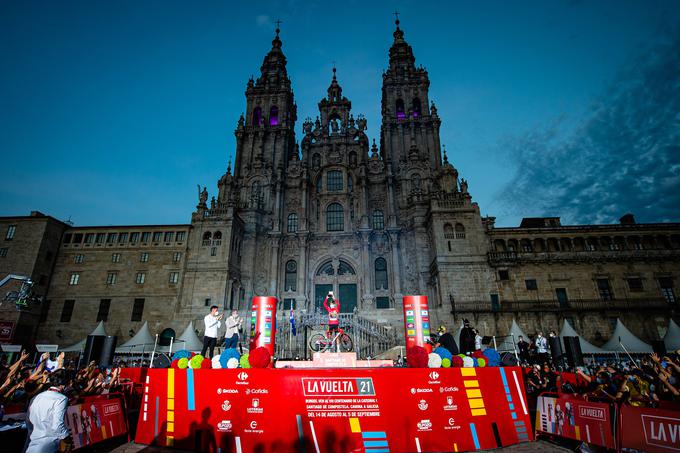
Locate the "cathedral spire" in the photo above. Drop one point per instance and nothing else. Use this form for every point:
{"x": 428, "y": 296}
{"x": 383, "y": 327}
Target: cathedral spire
{"x": 401, "y": 54}
{"x": 273, "y": 69}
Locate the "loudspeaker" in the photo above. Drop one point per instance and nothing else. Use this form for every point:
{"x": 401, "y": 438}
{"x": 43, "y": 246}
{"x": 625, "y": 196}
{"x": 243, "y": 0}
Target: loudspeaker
{"x": 572, "y": 349}
{"x": 509, "y": 359}
{"x": 108, "y": 350}
{"x": 93, "y": 349}
{"x": 555, "y": 349}
{"x": 659, "y": 347}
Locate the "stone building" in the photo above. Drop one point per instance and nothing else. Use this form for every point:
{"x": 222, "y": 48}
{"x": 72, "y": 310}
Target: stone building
{"x": 370, "y": 220}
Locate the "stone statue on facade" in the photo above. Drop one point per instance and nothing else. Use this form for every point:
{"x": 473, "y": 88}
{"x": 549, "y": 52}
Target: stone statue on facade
{"x": 463, "y": 185}
{"x": 202, "y": 195}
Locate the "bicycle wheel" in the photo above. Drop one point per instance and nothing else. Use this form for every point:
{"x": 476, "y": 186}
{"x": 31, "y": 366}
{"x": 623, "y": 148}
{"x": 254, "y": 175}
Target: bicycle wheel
{"x": 346, "y": 343}
{"x": 317, "y": 342}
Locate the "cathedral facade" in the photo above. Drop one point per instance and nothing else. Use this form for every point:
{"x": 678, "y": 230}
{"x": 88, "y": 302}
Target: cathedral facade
{"x": 371, "y": 220}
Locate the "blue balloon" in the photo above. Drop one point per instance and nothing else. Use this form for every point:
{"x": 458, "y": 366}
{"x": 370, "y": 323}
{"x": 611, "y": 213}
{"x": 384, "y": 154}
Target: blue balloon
{"x": 493, "y": 357}
{"x": 181, "y": 354}
{"x": 227, "y": 354}
{"x": 443, "y": 353}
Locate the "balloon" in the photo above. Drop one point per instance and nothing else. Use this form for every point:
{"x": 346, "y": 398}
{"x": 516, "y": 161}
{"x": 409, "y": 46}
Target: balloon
{"x": 434, "y": 360}
{"x": 443, "y": 352}
{"x": 232, "y": 363}
{"x": 195, "y": 361}
{"x": 259, "y": 357}
{"x": 245, "y": 363}
{"x": 183, "y": 363}
{"x": 228, "y": 354}
{"x": 468, "y": 362}
{"x": 446, "y": 363}
{"x": 216, "y": 364}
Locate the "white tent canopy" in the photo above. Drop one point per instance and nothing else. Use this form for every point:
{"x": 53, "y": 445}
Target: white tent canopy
{"x": 672, "y": 337}
{"x": 586, "y": 348}
{"x": 188, "y": 340}
{"x": 516, "y": 330}
{"x": 624, "y": 336}
{"x": 141, "y": 342}
{"x": 80, "y": 346}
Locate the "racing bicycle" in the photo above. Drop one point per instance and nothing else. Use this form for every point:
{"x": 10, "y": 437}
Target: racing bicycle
{"x": 323, "y": 343}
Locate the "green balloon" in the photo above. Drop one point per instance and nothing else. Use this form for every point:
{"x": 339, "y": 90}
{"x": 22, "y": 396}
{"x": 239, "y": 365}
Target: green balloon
{"x": 446, "y": 363}
{"x": 244, "y": 362}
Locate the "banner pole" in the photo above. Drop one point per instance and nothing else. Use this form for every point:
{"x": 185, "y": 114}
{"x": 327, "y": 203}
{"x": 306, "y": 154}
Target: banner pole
{"x": 154, "y": 351}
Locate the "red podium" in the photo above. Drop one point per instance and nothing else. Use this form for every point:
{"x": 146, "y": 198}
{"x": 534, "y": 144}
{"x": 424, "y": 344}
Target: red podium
{"x": 417, "y": 322}
{"x": 263, "y": 323}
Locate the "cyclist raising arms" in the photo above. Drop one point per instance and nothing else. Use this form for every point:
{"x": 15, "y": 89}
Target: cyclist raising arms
{"x": 333, "y": 316}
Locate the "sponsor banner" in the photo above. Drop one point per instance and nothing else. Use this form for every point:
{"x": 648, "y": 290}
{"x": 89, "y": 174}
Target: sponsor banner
{"x": 95, "y": 420}
{"x": 417, "y": 322}
{"x": 575, "y": 419}
{"x": 650, "y": 430}
{"x": 289, "y": 410}
{"x": 261, "y": 331}
{"x": 6, "y": 330}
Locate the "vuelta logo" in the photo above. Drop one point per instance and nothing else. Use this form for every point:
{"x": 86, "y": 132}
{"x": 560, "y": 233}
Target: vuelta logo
{"x": 226, "y": 405}
{"x": 661, "y": 431}
{"x": 111, "y": 409}
{"x": 422, "y": 405}
{"x": 594, "y": 413}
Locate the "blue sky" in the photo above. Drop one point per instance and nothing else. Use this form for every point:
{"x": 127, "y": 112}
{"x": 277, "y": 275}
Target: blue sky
{"x": 112, "y": 112}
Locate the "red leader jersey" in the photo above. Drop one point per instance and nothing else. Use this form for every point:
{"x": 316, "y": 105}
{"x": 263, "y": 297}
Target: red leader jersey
{"x": 333, "y": 313}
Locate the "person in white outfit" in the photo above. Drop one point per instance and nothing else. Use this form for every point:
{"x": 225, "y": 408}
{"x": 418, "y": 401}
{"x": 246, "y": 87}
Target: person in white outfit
{"x": 212, "y": 324}
{"x": 233, "y": 324}
{"x": 45, "y": 418}
{"x": 478, "y": 341}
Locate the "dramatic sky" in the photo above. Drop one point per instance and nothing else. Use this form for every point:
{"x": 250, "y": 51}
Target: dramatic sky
{"x": 112, "y": 112}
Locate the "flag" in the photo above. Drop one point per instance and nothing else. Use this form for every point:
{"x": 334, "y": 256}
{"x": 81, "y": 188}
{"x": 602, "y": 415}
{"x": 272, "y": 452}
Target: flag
{"x": 292, "y": 322}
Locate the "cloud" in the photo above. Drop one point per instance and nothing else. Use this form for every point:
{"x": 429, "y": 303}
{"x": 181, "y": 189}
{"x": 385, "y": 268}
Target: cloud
{"x": 263, "y": 20}
{"x": 623, "y": 156}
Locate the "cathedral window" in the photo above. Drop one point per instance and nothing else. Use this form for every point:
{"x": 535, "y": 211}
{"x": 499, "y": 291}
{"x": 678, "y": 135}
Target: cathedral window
{"x": 207, "y": 236}
{"x": 460, "y": 231}
{"x": 144, "y": 257}
{"x": 400, "y": 109}
{"x": 326, "y": 269}
{"x": 417, "y": 109}
{"x": 217, "y": 238}
{"x": 67, "y": 310}
{"x": 274, "y": 116}
{"x": 334, "y": 181}
{"x": 103, "y": 312}
{"x": 140, "y": 278}
{"x": 169, "y": 236}
{"x": 292, "y": 223}
{"x": 137, "y": 310}
{"x": 335, "y": 217}
{"x": 378, "y": 220}
{"x": 345, "y": 269}
{"x": 157, "y": 236}
{"x": 257, "y": 116}
{"x": 134, "y": 237}
{"x": 290, "y": 283}
{"x": 112, "y": 237}
{"x": 180, "y": 236}
{"x": 381, "y": 274}
{"x": 146, "y": 236}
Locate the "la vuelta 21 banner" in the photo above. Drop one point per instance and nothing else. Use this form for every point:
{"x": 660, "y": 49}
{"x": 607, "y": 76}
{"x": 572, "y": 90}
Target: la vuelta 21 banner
{"x": 95, "y": 420}
{"x": 650, "y": 430}
{"x": 396, "y": 410}
{"x": 575, "y": 419}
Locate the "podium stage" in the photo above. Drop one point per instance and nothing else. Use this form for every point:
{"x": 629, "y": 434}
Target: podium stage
{"x": 334, "y": 360}
{"x": 334, "y": 410}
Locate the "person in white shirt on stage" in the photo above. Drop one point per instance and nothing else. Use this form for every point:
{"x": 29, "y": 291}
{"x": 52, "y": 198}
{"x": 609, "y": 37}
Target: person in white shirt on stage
{"x": 233, "y": 324}
{"x": 212, "y": 324}
{"x": 45, "y": 418}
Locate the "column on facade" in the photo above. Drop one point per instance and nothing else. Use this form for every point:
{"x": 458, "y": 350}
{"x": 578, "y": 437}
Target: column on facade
{"x": 303, "y": 202}
{"x": 366, "y": 265}
{"x": 394, "y": 238}
{"x": 302, "y": 266}
{"x": 277, "y": 206}
{"x": 274, "y": 268}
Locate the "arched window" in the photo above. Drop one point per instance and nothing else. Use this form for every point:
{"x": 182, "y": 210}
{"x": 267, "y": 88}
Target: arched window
{"x": 417, "y": 109}
{"x": 292, "y": 222}
{"x": 344, "y": 268}
{"x": 217, "y": 235}
{"x": 335, "y": 218}
{"x": 257, "y": 116}
{"x": 334, "y": 181}
{"x": 460, "y": 231}
{"x": 400, "y": 109}
{"x": 378, "y": 220}
{"x": 326, "y": 269}
{"x": 381, "y": 274}
{"x": 316, "y": 161}
{"x": 274, "y": 116}
{"x": 290, "y": 283}
{"x": 448, "y": 229}
{"x": 207, "y": 236}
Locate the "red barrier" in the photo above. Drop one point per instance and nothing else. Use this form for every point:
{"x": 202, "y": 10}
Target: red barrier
{"x": 576, "y": 419}
{"x": 417, "y": 322}
{"x": 95, "y": 420}
{"x": 650, "y": 430}
{"x": 136, "y": 375}
{"x": 403, "y": 410}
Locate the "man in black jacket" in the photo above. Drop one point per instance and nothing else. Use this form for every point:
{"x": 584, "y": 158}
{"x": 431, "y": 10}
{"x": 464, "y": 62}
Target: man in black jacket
{"x": 467, "y": 338}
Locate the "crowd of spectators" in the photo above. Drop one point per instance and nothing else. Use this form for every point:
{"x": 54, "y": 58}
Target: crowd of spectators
{"x": 647, "y": 381}
{"x": 21, "y": 381}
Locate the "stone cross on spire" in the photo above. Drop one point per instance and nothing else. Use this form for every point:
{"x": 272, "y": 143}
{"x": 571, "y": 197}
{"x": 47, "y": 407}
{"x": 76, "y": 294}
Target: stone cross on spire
{"x": 396, "y": 21}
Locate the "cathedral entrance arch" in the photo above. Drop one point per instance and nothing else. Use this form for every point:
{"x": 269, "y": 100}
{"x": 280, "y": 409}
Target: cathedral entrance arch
{"x": 340, "y": 277}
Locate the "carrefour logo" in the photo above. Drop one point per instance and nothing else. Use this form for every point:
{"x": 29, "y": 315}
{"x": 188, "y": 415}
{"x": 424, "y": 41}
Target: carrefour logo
{"x": 243, "y": 376}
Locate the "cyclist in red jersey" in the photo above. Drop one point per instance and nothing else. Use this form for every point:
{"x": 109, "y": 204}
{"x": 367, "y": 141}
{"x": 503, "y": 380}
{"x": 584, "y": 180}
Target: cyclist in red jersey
{"x": 333, "y": 309}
